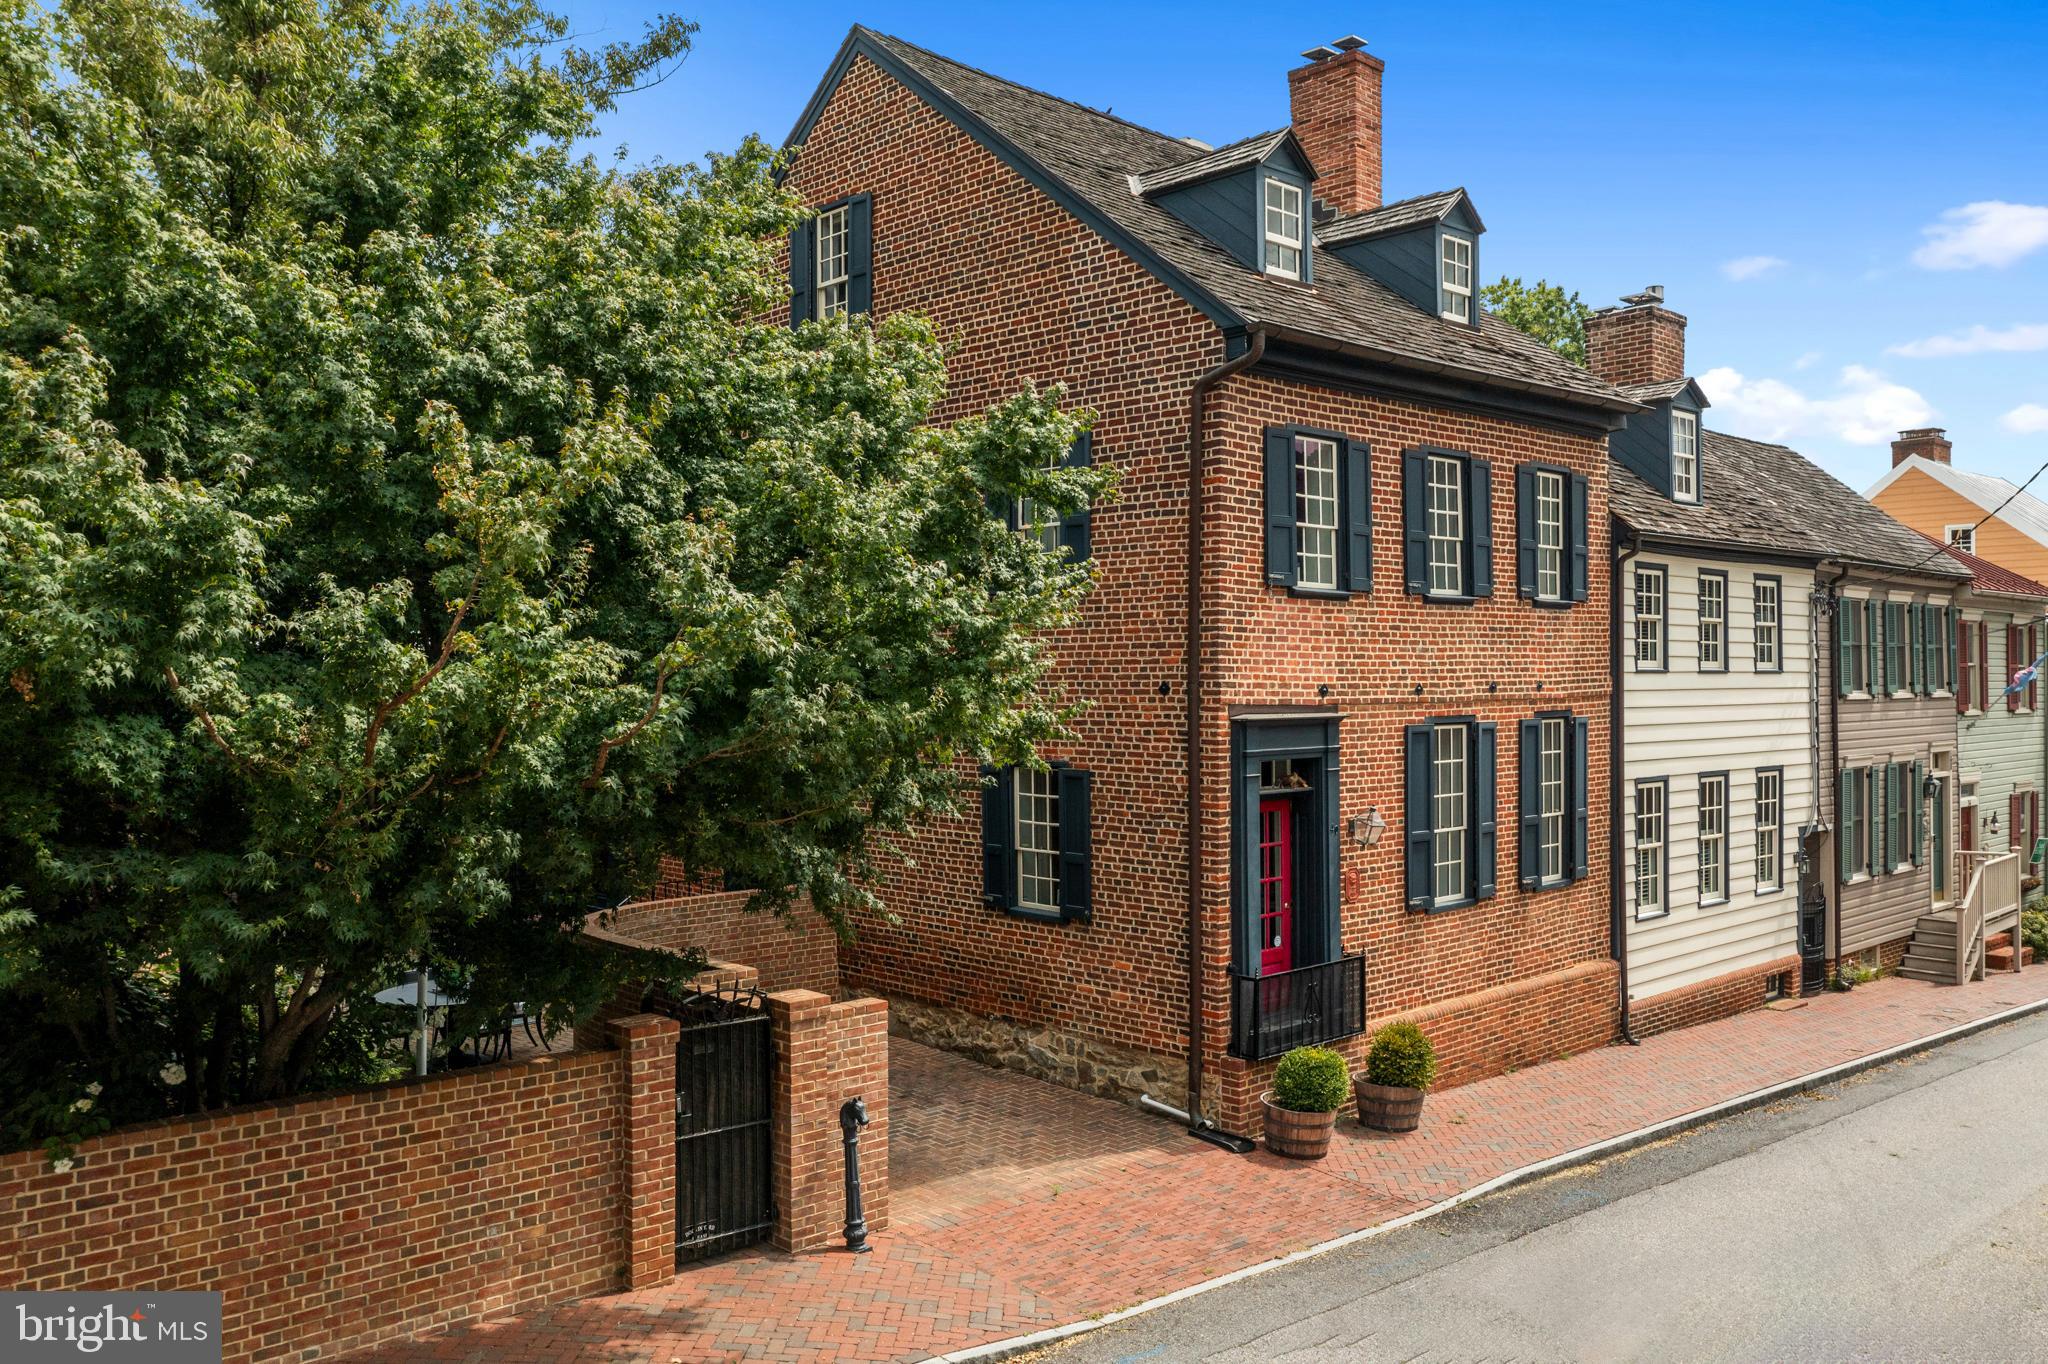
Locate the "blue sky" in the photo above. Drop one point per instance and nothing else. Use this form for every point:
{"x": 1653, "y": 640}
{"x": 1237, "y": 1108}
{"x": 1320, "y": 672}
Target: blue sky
{"x": 1848, "y": 201}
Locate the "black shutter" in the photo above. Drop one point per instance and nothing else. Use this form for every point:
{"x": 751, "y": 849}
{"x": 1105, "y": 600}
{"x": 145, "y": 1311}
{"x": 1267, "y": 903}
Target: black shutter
{"x": 1525, "y": 531}
{"x": 1280, "y": 506}
{"x": 1415, "y": 519}
{"x": 1076, "y": 845}
{"x": 1479, "y": 535}
{"x": 1357, "y": 457}
{"x": 1074, "y": 533}
{"x": 1417, "y": 818}
{"x": 800, "y": 279}
{"x": 995, "y": 838}
{"x": 1530, "y": 843}
{"x": 1576, "y": 534}
{"x": 860, "y": 254}
{"x": 1484, "y": 849}
{"x": 1581, "y": 746}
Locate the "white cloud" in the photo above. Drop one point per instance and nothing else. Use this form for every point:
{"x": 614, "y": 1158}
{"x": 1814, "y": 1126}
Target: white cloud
{"x": 1977, "y": 340}
{"x": 1807, "y": 359}
{"x": 1990, "y": 232}
{"x": 2028, "y": 419}
{"x": 1751, "y": 267}
{"x": 1865, "y": 409}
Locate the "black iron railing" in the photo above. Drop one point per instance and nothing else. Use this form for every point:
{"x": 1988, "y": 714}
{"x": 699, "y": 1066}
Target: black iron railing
{"x": 1299, "y": 1008}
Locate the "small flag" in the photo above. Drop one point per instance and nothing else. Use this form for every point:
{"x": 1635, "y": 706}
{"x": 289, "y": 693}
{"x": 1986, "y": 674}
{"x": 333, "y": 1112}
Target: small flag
{"x": 2024, "y": 678}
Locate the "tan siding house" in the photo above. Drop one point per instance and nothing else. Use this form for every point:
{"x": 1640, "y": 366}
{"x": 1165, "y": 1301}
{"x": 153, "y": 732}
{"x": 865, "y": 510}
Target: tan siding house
{"x": 1986, "y": 516}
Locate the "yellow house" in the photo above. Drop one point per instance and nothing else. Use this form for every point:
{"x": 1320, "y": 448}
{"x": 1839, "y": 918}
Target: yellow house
{"x": 1977, "y": 513}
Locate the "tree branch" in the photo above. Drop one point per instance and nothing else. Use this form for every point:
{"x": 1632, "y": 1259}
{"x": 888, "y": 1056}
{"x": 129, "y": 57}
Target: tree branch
{"x": 420, "y": 684}
{"x": 604, "y": 749}
{"x": 205, "y": 719}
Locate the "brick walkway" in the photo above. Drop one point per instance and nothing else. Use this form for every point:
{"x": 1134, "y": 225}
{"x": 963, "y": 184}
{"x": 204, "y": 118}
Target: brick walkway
{"x": 1020, "y": 1206}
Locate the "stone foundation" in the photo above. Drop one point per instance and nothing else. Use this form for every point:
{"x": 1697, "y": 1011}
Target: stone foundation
{"x": 1063, "y": 1058}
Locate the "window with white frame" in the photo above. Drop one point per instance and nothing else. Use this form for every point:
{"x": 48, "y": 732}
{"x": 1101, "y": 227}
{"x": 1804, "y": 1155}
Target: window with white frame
{"x": 1649, "y": 848}
{"x": 1315, "y": 511}
{"x": 1038, "y": 839}
{"x": 1040, "y": 522}
{"x": 1457, "y": 277}
{"x": 1283, "y": 229}
{"x": 1767, "y": 624}
{"x": 1550, "y": 798}
{"x": 1713, "y": 621}
{"x": 1713, "y": 839}
{"x": 1451, "y": 815}
{"x": 1649, "y": 617}
{"x": 1770, "y": 830}
{"x": 832, "y": 258}
{"x": 1685, "y": 456}
{"x": 1549, "y": 535}
{"x": 1963, "y": 537}
{"x": 1446, "y": 526}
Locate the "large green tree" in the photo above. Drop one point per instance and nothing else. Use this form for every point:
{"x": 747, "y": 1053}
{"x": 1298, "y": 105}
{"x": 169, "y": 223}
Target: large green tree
{"x": 1543, "y": 310}
{"x": 411, "y": 527}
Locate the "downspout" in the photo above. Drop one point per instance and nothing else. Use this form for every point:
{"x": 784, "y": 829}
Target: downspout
{"x": 1834, "y": 609}
{"x": 1197, "y": 419}
{"x": 1617, "y": 773}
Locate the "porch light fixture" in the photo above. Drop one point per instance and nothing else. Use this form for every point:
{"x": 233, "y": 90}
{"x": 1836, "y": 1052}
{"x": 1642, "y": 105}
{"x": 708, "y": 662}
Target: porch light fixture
{"x": 1367, "y": 828}
{"x": 1930, "y": 788}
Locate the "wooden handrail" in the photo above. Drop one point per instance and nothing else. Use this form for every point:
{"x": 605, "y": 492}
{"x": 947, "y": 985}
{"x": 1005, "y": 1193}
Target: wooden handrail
{"x": 1994, "y": 893}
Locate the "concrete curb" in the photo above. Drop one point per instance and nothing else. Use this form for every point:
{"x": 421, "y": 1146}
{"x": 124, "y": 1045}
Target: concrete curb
{"x": 1642, "y": 1136}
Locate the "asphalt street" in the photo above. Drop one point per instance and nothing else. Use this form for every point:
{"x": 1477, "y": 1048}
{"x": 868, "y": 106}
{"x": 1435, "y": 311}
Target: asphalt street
{"x": 1901, "y": 1214}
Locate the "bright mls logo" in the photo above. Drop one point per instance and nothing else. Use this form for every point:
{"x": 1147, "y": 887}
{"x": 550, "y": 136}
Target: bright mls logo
{"x": 169, "y": 1328}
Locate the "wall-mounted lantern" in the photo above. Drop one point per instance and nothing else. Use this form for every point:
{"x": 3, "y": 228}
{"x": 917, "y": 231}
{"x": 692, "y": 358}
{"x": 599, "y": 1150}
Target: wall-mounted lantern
{"x": 1367, "y": 828}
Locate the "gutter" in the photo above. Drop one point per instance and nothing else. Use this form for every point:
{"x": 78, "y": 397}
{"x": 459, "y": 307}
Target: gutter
{"x": 1197, "y": 401}
{"x": 1617, "y": 922}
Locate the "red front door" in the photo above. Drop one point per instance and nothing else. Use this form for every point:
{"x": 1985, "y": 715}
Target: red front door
{"x": 1276, "y": 886}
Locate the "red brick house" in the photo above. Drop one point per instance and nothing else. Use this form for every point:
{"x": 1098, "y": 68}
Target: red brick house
{"x": 1392, "y": 558}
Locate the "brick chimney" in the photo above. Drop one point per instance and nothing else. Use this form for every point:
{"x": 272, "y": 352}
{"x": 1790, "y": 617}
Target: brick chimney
{"x": 1336, "y": 115}
{"x": 1928, "y": 442}
{"x": 1642, "y": 343}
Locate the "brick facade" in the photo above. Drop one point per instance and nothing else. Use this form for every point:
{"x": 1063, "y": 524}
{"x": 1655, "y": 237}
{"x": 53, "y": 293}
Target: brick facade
{"x": 1335, "y": 111}
{"x": 1024, "y": 292}
{"x": 333, "y": 1222}
{"x": 1636, "y": 345}
{"x": 1732, "y": 993}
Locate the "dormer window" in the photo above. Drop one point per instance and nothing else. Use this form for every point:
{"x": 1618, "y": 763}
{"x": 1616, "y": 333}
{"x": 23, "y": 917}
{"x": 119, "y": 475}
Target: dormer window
{"x": 833, "y": 256}
{"x": 1457, "y": 277}
{"x": 1283, "y": 229}
{"x": 1685, "y": 456}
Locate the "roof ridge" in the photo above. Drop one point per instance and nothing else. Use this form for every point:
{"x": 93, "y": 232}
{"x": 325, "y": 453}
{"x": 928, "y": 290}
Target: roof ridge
{"x": 1034, "y": 90}
{"x": 1401, "y": 203}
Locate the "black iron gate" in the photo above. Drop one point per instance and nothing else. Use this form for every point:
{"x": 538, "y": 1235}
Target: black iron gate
{"x": 725, "y": 1069}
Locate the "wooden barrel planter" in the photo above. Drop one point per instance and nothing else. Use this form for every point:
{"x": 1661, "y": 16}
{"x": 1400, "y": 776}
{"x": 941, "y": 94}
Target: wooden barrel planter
{"x": 1388, "y": 1108}
{"x": 1300, "y": 1136}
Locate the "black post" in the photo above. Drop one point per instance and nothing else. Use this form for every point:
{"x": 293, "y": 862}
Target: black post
{"x": 853, "y": 1115}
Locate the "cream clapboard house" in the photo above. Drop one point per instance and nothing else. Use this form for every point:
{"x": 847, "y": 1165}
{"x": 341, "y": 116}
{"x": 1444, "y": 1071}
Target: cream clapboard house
{"x": 1718, "y": 689}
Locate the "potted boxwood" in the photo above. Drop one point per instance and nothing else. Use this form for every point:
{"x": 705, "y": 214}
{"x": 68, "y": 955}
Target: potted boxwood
{"x": 1398, "y": 1068}
{"x": 1301, "y": 1107}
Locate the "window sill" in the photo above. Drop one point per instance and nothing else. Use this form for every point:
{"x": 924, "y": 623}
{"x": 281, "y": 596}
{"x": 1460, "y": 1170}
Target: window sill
{"x": 1658, "y": 668}
{"x": 1449, "y": 598}
{"x": 1025, "y": 912}
{"x": 1723, "y": 668}
{"x": 1321, "y": 593}
{"x": 1541, "y": 884}
{"x": 1652, "y": 916}
{"x": 1714, "y": 904}
{"x": 1552, "y": 603}
{"x": 1762, "y": 891}
{"x": 1439, "y": 907}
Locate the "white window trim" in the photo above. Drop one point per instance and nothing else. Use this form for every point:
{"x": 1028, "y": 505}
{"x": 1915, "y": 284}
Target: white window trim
{"x": 1457, "y": 537}
{"x": 1774, "y": 828}
{"x": 1551, "y": 759}
{"x": 1458, "y": 756}
{"x": 1660, "y": 863}
{"x": 1771, "y": 660}
{"x": 1549, "y": 535}
{"x": 835, "y": 223}
{"x": 1715, "y": 838}
{"x": 1963, "y": 536}
{"x": 1270, "y": 238}
{"x": 1719, "y": 622}
{"x": 1030, "y": 784}
{"x": 1656, "y": 637}
{"x": 1457, "y": 298}
{"x": 1685, "y": 456}
{"x": 1326, "y": 532}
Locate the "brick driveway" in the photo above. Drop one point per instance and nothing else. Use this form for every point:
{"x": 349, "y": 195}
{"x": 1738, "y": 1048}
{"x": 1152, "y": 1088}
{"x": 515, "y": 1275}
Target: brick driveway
{"x": 1020, "y": 1206}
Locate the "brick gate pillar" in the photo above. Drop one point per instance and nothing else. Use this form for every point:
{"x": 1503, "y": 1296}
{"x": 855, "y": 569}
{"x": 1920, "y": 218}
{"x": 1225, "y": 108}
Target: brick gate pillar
{"x": 825, "y": 1054}
{"x": 649, "y": 1043}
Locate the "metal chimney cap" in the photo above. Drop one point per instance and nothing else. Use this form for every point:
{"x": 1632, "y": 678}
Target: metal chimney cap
{"x": 1350, "y": 42}
{"x": 1320, "y": 54}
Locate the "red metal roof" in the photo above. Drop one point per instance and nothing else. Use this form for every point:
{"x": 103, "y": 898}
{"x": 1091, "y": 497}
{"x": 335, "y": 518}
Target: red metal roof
{"x": 1990, "y": 577}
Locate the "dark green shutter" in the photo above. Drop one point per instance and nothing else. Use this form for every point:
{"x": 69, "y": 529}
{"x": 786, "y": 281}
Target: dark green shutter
{"x": 1485, "y": 850}
{"x": 1873, "y": 660}
{"x": 1886, "y": 796}
{"x": 1529, "y": 847}
{"x": 1074, "y": 526}
{"x": 1417, "y": 817}
{"x": 1525, "y": 531}
{"x": 860, "y": 254}
{"x": 1918, "y": 803}
{"x": 1844, "y": 652}
{"x": 1479, "y": 532}
{"x": 1917, "y": 632}
{"x": 1948, "y": 646}
{"x": 1415, "y": 519}
{"x": 1576, "y": 534}
{"x": 1357, "y": 457}
{"x": 1581, "y": 745}
{"x": 1845, "y": 799}
{"x": 800, "y": 279}
{"x": 1280, "y": 512}
{"x": 1076, "y": 845}
{"x": 996, "y": 861}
